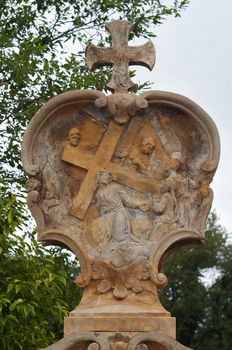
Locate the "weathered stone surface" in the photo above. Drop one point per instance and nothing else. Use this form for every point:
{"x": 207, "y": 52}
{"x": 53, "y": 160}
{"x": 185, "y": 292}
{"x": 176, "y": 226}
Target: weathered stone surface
{"x": 82, "y": 341}
{"x": 118, "y": 341}
{"x": 122, "y": 181}
{"x": 120, "y": 196}
{"x": 120, "y": 55}
{"x": 130, "y": 321}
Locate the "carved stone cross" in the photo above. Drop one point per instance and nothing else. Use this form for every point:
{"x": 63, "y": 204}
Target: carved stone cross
{"x": 120, "y": 56}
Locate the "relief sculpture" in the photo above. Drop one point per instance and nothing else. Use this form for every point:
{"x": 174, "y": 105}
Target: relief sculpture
{"x": 138, "y": 157}
{"x": 117, "y": 245}
{"x": 124, "y": 188}
{"x": 109, "y": 187}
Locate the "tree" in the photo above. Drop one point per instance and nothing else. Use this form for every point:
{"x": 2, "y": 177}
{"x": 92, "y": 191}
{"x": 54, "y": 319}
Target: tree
{"x": 37, "y": 286}
{"x": 202, "y": 307}
{"x": 216, "y": 328}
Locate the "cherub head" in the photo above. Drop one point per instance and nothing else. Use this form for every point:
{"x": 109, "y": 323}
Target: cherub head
{"x": 74, "y": 136}
{"x": 147, "y": 146}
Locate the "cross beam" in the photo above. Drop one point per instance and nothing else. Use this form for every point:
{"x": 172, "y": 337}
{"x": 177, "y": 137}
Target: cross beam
{"x": 120, "y": 55}
{"x": 102, "y": 159}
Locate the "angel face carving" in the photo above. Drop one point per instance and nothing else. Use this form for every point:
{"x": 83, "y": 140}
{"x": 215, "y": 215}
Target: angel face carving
{"x": 148, "y": 145}
{"x": 74, "y": 136}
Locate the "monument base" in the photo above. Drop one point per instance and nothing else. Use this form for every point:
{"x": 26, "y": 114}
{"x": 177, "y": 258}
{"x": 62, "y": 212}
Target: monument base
{"x": 120, "y": 323}
{"x": 120, "y": 317}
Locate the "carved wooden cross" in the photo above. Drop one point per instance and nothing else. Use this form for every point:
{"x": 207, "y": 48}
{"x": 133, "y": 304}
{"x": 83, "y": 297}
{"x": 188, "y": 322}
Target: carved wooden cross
{"x": 102, "y": 159}
{"x": 120, "y": 55}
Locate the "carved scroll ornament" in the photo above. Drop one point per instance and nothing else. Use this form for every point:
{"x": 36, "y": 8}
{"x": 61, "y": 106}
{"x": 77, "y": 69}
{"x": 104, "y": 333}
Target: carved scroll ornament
{"x": 160, "y": 164}
{"x": 95, "y": 341}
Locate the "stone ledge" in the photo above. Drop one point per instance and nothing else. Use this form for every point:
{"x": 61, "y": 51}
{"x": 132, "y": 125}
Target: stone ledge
{"x": 119, "y": 323}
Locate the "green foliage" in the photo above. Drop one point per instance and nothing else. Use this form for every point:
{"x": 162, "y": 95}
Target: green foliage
{"x": 43, "y": 42}
{"x": 36, "y": 284}
{"x": 202, "y": 306}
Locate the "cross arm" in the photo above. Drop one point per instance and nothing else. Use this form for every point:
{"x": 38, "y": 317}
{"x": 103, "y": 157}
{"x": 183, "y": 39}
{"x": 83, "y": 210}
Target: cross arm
{"x": 75, "y": 157}
{"x": 97, "y": 56}
{"x": 142, "y": 55}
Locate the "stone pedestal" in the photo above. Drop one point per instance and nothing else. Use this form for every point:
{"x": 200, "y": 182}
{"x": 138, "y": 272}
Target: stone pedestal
{"x": 120, "y": 323}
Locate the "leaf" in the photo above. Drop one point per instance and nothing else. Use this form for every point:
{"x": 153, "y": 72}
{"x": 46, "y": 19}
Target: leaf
{"x": 135, "y": 285}
{"x": 10, "y": 287}
{"x": 120, "y": 291}
{"x": 15, "y": 303}
{"x": 5, "y": 301}
{"x": 17, "y": 288}
{"x": 104, "y": 286}
{"x": 13, "y": 318}
{"x": 9, "y": 217}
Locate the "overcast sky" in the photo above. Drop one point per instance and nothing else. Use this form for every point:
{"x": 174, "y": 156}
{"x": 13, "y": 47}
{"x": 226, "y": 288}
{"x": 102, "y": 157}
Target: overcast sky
{"x": 194, "y": 58}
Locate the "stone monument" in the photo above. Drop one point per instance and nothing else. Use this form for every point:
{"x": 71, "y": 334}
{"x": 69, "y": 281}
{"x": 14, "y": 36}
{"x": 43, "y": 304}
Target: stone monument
{"x": 121, "y": 180}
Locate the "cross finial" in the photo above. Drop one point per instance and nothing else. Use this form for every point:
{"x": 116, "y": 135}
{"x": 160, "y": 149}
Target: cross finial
{"x": 120, "y": 55}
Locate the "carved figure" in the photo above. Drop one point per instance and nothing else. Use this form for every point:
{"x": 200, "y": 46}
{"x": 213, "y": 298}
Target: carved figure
{"x": 120, "y": 254}
{"x": 140, "y": 156}
{"x": 74, "y": 136}
{"x": 50, "y": 202}
{"x": 55, "y": 202}
{"x": 33, "y": 187}
{"x": 179, "y": 187}
{"x": 165, "y": 207}
{"x": 33, "y": 200}
{"x": 111, "y": 198}
{"x": 202, "y": 198}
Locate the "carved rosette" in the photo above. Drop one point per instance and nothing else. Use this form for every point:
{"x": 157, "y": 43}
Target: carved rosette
{"x": 120, "y": 280}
